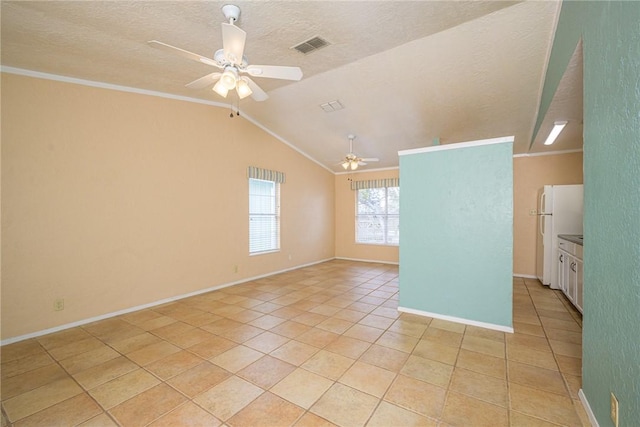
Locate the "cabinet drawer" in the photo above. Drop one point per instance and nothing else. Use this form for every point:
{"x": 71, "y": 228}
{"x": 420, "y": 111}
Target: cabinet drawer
{"x": 578, "y": 252}
{"x": 567, "y": 246}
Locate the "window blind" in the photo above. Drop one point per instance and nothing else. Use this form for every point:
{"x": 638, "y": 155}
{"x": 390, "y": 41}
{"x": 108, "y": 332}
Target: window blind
{"x": 375, "y": 183}
{"x": 266, "y": 174}
{"x": 264, "y": 209}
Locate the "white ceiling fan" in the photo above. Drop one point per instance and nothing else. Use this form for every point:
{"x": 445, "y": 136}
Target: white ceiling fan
{"x": 231, "y": 60}
{"x": 351, "y": 161}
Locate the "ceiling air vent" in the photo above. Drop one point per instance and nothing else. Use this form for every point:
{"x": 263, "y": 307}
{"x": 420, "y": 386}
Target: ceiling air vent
{"x": 331, "y": 106}
{"x": 311, "y": 45}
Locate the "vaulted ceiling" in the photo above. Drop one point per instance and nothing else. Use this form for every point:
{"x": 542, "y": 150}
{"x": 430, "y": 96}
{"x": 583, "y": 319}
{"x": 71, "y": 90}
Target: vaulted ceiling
{"x": 407, "y": 73}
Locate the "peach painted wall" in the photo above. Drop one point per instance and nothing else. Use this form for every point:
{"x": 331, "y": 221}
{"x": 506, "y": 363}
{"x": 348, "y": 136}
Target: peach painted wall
{"x": 530, "y": 174}
{"x": 112, "y": 200}
{"x": 345, "y": 204}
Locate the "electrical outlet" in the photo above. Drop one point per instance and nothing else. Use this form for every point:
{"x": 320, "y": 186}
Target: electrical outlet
{"x": 58, "y": 304}
{"x": 614, "y": 409}
{"x": 533, "y": 212}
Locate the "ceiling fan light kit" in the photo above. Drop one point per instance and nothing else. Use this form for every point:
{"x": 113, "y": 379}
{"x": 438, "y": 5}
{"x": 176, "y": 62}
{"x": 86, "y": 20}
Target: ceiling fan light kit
{"x": 243, "y": 89}
{"x": 231, "y": 60}
{"x": 229, "y": 78}
{"x": 351, "y": 161}
{"x": 220, "y": 89}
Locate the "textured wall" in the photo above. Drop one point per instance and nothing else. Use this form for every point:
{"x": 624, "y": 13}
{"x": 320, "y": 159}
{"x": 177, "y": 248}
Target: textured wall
{"x": 112, "y": 200}
{"x": 456, "y": 236}
{"x": 611, "y": 341}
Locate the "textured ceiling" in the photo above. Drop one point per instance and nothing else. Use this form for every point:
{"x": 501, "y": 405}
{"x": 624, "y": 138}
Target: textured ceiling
{"x": 566, "y": 105}
{"x": 406, "y": 72}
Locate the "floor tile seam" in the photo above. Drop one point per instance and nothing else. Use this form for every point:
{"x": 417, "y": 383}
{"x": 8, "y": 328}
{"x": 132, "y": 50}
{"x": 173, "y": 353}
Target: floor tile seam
{"x": 538, "y": 418}
{"x": 62, "y": 401}
{"x": 555, "y": 358}
{"x": 520, "y": 383}
{"x": 32, "y": 353}
{"x": 509, "y": 382}
{"x": 481, "y": 399}
{"x": 437, "y": 419}
{"x": 69, "y": 375}
{"x": 304, "y": 412}
{"x": 546, "y": 337}
{"x": 395, "y": 375}
{"x": 53, "y": 361}
{"x": 195, "y": 397}
{"x": 376, "y": 407}
{"x": 448, "y": 389}
{"x": 162, "y": 415}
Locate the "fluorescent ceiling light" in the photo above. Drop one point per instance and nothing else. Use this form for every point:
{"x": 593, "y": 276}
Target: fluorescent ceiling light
{"x": 557, "y": 128}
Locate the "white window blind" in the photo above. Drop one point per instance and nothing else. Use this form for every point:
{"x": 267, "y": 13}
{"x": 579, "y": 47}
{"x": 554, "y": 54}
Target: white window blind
{"x": 264, "y": 210}
{"x": 378, "y": 214}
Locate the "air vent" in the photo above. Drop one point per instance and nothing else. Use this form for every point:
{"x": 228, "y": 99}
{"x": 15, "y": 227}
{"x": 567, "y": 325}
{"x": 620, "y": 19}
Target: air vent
{"x": 331, "y": 106}
{"x": 311, "y": 45}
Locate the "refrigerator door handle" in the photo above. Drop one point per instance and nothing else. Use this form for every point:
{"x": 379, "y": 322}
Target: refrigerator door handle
{"x": 541, "y": 224}
{"x": 543, "y": 199}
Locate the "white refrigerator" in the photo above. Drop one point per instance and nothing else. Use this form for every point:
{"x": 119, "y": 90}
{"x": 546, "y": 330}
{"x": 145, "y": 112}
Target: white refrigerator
{"x": 559, "y": 212}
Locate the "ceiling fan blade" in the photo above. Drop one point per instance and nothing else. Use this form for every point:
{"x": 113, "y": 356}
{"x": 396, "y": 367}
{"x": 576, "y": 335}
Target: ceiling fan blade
{"x": 275, "y": 72}
{"x": 183, "y": 53}
{"x": 233, "y": 39}
{"x": 257, "y": 93}
{"x": 205, "y": 81}
{"x": 361, "y": 163}
{"x": 370, "y": 159}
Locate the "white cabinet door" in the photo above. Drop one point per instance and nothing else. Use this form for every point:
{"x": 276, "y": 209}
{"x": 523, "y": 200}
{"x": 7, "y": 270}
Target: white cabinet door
{"x": 572, "y": 285}
{"x": 579, "y": 284}
{"x": 570, "y": 273}
{"x": 563, "y": 271}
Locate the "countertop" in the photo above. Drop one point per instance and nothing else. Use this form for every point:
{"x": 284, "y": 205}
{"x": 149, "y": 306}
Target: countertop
{"x": 573, "y": 238}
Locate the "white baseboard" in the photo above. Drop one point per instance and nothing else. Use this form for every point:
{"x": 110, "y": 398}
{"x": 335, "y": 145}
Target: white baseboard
{"x": 366, "y": 260}
{"x": 149, "y": 305}
{"x": 525, "y": 276}
{"x": 587, "y": 409}
{"x": 500, "y": 328}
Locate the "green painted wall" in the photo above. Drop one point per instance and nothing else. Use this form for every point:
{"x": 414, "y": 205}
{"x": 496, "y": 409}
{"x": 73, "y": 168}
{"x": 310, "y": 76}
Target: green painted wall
{"x": 611, "y": 324}
{"x": 456, "y": 233}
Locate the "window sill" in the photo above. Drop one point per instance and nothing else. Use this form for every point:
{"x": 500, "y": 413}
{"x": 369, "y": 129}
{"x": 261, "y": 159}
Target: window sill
{"x": 378, "y": 244}
{"x": 264, "y": 252}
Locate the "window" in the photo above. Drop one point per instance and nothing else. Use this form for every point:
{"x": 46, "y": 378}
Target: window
{"x": 378, "y": 216}
{"x": 264, "y": 216}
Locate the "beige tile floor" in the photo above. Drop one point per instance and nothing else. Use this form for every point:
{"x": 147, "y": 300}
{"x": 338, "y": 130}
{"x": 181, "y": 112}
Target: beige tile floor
{"x": 318, "y": 346}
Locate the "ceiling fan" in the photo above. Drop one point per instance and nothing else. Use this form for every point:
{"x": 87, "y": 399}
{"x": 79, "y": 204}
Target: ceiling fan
{"x": 232, "y": 63}
{"x": 351, "y": 161}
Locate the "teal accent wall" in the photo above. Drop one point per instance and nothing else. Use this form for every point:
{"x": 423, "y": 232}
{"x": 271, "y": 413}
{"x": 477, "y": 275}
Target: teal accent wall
{"x": 456, "y": 233}
{"x": 611, "y": 323}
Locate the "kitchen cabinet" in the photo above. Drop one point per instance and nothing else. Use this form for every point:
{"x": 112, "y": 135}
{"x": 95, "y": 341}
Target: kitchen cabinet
{"x": 570, "y": 271}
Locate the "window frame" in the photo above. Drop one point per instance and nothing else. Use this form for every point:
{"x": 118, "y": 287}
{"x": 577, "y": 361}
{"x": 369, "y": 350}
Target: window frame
{"x": 385, "y": 215}
{"x": 275, "y": 215}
